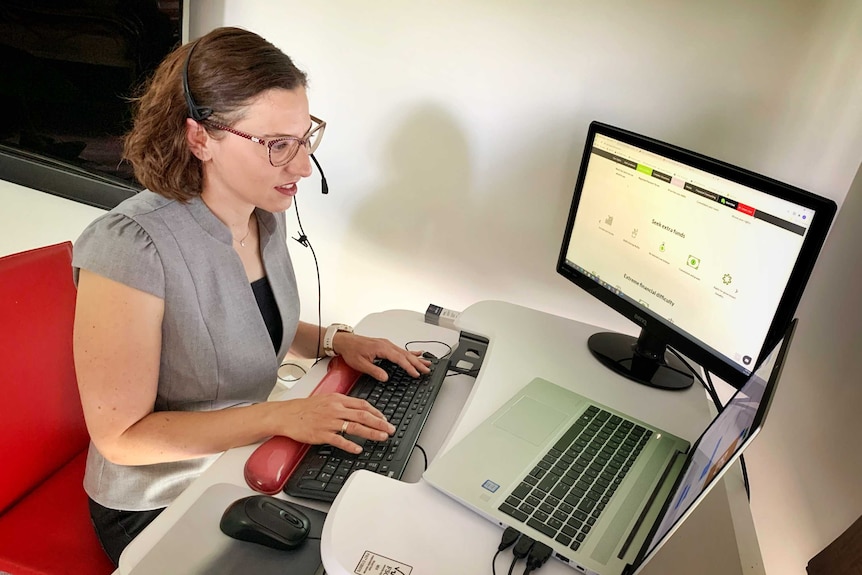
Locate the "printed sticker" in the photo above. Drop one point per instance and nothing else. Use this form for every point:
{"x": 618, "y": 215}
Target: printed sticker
{"x": 374, "y": 564}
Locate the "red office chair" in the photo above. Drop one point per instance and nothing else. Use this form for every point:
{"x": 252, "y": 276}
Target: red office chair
{"x": 45, "y": 523}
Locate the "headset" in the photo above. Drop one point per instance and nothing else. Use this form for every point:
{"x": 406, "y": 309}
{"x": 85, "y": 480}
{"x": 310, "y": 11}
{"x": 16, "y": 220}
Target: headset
{"x": 201, "y": 113}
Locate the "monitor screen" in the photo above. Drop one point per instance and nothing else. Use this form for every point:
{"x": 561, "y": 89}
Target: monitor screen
{"x": 706, "y": 258}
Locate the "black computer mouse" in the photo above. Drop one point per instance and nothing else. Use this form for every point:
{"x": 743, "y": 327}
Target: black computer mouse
{"x": 265, "y": 520}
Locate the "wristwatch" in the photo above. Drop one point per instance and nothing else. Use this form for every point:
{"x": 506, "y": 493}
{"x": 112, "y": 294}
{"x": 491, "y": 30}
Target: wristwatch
{"x": 330, "y": 334}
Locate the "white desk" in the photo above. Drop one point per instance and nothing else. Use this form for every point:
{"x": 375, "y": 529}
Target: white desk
{"x": 375, "y": 514}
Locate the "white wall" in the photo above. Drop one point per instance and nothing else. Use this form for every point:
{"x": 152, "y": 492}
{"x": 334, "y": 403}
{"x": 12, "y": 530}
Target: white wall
{"x": 30, "y": 219}
{"x": 455, "y": 133}
{"x": 455, "y": 128}
{"x": 805, "y": 468}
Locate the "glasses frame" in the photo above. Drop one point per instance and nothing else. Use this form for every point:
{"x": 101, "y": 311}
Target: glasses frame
{"x": 268, "y": 144}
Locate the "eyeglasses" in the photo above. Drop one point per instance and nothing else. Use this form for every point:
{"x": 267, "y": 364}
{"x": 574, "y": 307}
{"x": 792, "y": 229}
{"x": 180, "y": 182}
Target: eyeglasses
{"x": 282, "y": 150}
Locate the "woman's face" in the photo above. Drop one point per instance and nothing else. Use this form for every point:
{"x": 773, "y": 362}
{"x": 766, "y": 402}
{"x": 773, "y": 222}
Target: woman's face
{"x": 239, "y": 170}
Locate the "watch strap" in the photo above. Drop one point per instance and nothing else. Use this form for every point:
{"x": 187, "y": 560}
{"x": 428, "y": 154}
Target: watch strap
{"x": 330, "y": 335}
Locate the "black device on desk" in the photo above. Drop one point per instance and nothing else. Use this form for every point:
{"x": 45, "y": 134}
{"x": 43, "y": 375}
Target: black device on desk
{"x": 267, "y": 521}
{"x": 405, "y": 401}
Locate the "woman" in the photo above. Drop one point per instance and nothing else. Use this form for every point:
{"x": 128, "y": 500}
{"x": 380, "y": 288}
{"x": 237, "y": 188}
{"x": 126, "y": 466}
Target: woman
{"x": 187, "y": 301}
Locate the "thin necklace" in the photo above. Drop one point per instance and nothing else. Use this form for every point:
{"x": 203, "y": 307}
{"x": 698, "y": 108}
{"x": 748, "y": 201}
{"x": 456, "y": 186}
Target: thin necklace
{"x": 242, "y": 241}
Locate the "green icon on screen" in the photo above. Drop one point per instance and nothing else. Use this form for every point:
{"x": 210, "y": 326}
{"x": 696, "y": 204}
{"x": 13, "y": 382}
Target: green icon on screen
{"x": 693, "y": 262}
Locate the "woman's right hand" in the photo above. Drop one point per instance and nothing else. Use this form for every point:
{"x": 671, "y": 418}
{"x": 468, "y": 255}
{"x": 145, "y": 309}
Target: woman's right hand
{"x": 328, "y": 417}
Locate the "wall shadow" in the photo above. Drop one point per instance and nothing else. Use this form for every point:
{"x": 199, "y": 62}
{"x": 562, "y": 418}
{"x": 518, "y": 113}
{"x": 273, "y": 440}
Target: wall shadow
{"x": 425, "y": 203}
{"x": 482, "y": 226}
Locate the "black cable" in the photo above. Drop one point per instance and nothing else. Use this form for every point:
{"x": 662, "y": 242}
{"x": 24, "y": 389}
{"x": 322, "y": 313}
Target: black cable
{"x": 708, "y": 387}
{"x": 510, "y": 535}
{"x": 713, "y": 393}
{"x": 521, "y": 550}
{"x": 468, "y": 372}
{"x": 539, "y": 554}
{"x": 291, "y": 364}
{"x": 745, "y": 477}
{"x": 304, "y": 241}
{"x": 449, "y": 347}
{"x": 424, "y": 455}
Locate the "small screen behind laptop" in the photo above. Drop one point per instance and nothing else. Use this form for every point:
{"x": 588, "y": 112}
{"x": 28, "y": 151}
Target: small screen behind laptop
{"x": 718, "y": 444}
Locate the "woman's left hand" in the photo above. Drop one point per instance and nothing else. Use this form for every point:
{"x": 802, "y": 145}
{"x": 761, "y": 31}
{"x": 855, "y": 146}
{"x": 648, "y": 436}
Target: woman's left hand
{"x": 360, "y": 352}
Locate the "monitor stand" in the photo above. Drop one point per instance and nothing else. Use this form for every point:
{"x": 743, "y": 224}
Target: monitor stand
{"x": 643, "y": 359}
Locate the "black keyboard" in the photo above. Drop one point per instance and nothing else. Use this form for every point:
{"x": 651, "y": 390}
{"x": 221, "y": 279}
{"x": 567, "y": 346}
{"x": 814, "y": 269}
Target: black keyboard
{"x": 405, "y": 401}
{"x": 564, "y": 495}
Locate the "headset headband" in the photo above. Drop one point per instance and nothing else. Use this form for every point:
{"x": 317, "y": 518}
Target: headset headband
{"x": 197, "y": 113}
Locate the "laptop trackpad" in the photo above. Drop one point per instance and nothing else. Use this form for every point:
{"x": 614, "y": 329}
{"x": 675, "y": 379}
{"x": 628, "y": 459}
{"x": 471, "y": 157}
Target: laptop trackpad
{"x": 531, "y": 420}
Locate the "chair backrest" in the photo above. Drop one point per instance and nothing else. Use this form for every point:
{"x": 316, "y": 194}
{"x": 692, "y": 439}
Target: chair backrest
{"x": 41, "y": 421}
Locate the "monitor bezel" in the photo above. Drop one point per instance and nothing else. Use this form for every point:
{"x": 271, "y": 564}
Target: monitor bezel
{"x": 824, "y": 213}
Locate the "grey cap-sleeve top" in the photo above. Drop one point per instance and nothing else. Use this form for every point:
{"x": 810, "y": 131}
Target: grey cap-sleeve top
{"x": 216, "y": 350}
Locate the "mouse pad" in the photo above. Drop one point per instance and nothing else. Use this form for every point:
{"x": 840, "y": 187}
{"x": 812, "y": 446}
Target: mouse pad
{"x": 196, "y": 545}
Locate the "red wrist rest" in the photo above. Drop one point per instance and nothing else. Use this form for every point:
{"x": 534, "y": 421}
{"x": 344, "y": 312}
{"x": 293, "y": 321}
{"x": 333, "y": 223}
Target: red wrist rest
{"x": 271, "y": 464}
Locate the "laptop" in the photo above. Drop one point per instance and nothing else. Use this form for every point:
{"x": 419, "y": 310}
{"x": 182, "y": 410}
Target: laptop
{"x": 603, "y": 490}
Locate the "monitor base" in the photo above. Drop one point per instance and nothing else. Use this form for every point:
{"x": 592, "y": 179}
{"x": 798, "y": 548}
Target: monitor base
{"x": 655, "y": 368}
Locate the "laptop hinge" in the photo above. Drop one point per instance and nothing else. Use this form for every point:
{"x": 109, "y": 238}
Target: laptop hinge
{"x": 648, "y": 506}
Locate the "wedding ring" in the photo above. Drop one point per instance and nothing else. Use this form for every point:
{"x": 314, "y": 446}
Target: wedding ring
{"x": 344, "y": 427}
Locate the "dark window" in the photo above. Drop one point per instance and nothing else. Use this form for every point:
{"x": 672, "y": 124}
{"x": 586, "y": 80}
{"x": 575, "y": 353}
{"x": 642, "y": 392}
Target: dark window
{"x": 67, "y": 69}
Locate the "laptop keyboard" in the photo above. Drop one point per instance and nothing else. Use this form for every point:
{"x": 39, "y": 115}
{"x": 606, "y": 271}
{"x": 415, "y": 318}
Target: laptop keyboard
{"x": 565, "y": 494}
{"x": 405, "y": 401}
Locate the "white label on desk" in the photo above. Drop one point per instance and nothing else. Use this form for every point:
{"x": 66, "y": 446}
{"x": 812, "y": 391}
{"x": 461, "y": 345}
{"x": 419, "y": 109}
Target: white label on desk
{"x": 374, "y": 564}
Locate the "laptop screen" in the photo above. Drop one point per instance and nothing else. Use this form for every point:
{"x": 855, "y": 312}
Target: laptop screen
{"x": 724, "y": 437}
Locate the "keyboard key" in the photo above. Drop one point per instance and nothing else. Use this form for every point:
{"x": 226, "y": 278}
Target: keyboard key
{"x": 517, "y": 514}
{"x": 541, "y": 527}
{"x": 312, "y": 485}
{"x": 563, "y": 538}
{"x": 522, "y": 490}
{"x": 540, "y": 515}
{"x": 554, "y": 523}
{"x": 548, "y": 482}
{"x": 560, "y": 490}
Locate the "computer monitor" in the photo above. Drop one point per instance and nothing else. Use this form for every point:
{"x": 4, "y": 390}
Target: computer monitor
{"x": 707, "y": 258}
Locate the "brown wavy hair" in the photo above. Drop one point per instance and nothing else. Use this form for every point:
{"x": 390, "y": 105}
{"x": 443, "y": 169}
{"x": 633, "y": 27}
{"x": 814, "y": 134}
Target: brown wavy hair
{"x": 229, "y": 68}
